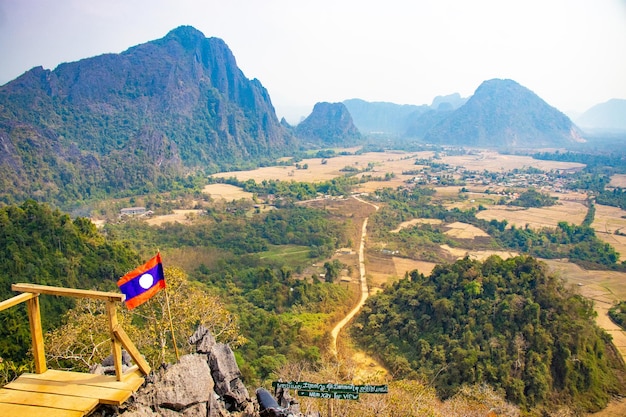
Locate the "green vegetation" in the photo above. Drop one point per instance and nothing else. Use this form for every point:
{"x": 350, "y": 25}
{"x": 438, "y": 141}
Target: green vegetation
{"x": 533, "y": 198}
{"x": 504, "y": 322}
{"x": 578, "y": 243}
{"x": 258, "y": 284}
{"x": 44, "y": 246}
{"x": 617, "y": 313}
{"x": 239, "y": 262}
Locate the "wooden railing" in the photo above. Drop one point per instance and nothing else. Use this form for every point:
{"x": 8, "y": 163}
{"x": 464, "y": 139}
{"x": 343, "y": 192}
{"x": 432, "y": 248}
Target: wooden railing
{"x": 119, "y": 338}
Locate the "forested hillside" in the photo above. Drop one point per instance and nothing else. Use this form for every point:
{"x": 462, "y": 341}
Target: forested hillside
{"x": 507, "y": 323}
{"x": 45, "y": 246}
{"x": 249, "y": 260}
{"x": 135, "y": 122}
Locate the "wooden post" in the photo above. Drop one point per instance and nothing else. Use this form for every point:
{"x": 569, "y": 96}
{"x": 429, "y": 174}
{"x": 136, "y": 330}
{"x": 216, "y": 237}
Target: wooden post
{"x": 123, "y": 338}
{"x": 36, "y": 334}
{"x": 116, "y": 347}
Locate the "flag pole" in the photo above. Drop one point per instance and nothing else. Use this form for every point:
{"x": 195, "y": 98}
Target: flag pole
{"x": 169, "y": 313}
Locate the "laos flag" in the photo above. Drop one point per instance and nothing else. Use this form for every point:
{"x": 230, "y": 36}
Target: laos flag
{"x": 140, "y": 284}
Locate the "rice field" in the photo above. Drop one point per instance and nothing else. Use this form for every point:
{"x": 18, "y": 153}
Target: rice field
{"x": 536, "y": 218}
{"x": 610, "y": 226}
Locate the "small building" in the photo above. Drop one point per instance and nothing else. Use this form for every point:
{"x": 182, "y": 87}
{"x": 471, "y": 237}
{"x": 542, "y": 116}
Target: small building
{"x": 133, "y": 211}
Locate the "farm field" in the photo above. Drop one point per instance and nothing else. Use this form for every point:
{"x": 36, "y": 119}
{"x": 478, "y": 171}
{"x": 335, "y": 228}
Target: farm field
{"x": 178, "y": 216}
{"x": 564, "y": 210}
{"x": 413, "y": 222}
{"x": 605, "y": 288}
{"x": 226, "y": 192}
{"x": 480, "y": 255}
{"x": 394, "y": 162}
{"x": 495, "y": 162}
{"x": 462, "y": 230}
{"x": 618, "y": 180}
{"x": 317, "y": 171}
{"x": 607, "y": 221}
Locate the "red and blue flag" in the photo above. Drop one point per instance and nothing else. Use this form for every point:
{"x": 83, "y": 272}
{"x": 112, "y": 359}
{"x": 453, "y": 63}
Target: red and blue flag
{"x": 140, "y": 284}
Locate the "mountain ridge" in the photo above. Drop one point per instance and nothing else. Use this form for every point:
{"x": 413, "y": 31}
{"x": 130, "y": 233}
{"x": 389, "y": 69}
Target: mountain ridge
{"x": 502, "y": 113}
{"x": 182, "y": 97}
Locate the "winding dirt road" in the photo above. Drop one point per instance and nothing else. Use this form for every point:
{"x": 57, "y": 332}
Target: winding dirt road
{"x": 364, "y": 288}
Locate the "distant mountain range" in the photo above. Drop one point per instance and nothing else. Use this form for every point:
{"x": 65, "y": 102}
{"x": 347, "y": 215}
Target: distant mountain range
{"x": 147, "y": 118}
{"x": 608, "y": 116}
{"x": 500, "y": 114}
{"x": 400, "y": 119}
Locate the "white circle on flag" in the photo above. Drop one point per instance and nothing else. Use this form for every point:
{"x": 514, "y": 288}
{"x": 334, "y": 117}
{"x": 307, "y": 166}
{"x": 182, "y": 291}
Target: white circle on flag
{"x": 146, "y": 281}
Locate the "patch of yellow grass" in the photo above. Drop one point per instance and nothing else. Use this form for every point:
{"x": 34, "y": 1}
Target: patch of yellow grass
{"x": 535, "y": 218}
{"x": 607, "y": 221}
{"x": 403, "y": 265}
{"x": 479, "y": 255}
{"x": 493, "y": 161}
{"x": 384, "y": 162}
{"x": 226, "y": 192}
{"x": 413, "y": 222}
{"x": 618, "y": 180}
{"x": 178, "y": 216}
{"x": 462, "y": 230}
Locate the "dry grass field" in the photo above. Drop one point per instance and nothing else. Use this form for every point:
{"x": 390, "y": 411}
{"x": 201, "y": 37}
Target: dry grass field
{"x": 564, "y": 210}
{"x": 462, "y": 230}
{"x": 226, "y": 192}
{"x": 413, "y": 222}
{"x": 618, "y": 180}
{"x": 392, "y": 162}
{"x": 384, "y": 162}
{"x": 480, "y": 255}
{"x": 178, "y": 216}
{"x": 605, "y": 288}
{"x": 495, "y": 162}
{"x": 607, "y": 221}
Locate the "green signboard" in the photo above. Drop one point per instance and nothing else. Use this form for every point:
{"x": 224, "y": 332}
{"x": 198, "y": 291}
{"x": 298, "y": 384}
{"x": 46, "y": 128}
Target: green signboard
{"x": 328, "y": 388}
{"x": 329, "y": 395}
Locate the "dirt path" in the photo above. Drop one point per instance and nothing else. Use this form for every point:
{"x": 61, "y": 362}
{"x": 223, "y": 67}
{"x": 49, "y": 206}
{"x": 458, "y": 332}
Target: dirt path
{"x": 363, "y": 280}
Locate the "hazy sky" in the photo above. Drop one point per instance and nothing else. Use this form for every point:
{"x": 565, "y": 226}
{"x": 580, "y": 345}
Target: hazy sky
{"x": 572, "y": 53}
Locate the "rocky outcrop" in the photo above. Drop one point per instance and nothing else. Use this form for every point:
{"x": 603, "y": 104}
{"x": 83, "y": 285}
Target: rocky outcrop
{"x": 329, "y": 124}
{"x": 207, "y": 383}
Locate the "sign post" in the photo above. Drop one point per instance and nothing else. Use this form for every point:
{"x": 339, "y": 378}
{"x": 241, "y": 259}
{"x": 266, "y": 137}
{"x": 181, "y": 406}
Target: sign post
{"x": 331, "y": 391}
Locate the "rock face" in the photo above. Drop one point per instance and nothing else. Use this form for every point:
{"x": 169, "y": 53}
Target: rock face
{"x": 329, "y": 124}
{"x": 502, "y": 113}
{"x": 122, "y": 121}
{"x": 205, "y": 384}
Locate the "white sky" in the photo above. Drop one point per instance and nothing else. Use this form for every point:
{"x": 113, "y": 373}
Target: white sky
{"x": 572, "y": 53}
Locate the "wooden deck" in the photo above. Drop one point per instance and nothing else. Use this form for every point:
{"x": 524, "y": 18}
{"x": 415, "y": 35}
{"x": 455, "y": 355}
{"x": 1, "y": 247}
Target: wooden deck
{"x": 61, "y": 393}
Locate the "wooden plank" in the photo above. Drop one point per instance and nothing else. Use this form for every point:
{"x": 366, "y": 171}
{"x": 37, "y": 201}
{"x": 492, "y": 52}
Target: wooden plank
{"x": 31, "y": 411}
{"x": 68, "y": 292}
{"x": 36, "y": 334}
{"x": 103, "y": 395}
{"x": 39, "y": 399}
{"x": 131, "y": 349}
{"x": 131, "y": 381}
{"x": 16, "y": 300}
{"x": 116, "y": 347}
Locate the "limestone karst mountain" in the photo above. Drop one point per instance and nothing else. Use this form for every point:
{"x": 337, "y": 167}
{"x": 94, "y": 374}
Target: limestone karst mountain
{"x": 134, "y": 120}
